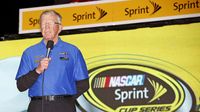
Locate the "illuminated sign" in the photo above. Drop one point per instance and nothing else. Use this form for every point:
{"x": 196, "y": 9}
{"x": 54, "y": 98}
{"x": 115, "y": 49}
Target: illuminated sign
{"x": 112, "y": 12}
{"x": 136, "y": 84}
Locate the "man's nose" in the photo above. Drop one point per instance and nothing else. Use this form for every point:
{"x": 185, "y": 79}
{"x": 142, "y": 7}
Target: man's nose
{"x": 47, "y": 26}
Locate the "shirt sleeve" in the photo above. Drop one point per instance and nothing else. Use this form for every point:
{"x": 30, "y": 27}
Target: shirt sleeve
{"x": 27, "y": 80}
{"x": 80, "y": 68}
{"x": 24, "y": 66}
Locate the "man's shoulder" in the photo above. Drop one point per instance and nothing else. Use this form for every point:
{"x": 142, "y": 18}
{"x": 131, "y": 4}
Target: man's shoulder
{"x": 69, "y": 45}
{"x": 32, "y": 48}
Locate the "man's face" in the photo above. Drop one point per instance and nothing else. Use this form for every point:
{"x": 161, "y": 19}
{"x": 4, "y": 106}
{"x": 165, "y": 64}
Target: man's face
{"x": 50, "y": 27}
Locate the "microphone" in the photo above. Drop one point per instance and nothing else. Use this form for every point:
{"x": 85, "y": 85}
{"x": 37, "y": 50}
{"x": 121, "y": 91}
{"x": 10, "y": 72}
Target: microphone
{"x": 49, "y": 47}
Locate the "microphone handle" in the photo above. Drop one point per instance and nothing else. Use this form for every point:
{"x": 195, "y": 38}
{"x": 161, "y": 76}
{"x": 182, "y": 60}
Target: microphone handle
{"x": 48, "y": 52}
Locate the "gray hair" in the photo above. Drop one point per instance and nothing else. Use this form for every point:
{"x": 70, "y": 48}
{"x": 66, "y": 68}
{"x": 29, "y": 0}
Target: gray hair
{"x": 52, "y": 12}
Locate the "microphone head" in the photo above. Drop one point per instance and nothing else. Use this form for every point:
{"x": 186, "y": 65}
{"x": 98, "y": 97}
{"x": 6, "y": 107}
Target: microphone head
{"x": 50, "y": 44}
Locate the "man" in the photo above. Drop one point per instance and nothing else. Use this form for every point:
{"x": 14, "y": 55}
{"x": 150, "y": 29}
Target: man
{"x": 55, "y": 82}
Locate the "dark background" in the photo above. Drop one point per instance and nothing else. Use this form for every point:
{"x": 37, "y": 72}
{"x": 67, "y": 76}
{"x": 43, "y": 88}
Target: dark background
{"x": 10, "y": 12}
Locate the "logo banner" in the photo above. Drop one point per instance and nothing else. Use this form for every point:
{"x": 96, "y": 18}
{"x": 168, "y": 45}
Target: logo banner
{"x": 112, "y": 12}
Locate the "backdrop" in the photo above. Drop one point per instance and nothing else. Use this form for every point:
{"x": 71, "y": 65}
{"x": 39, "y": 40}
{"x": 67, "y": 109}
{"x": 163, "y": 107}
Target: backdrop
{"x": 143, "y": 69}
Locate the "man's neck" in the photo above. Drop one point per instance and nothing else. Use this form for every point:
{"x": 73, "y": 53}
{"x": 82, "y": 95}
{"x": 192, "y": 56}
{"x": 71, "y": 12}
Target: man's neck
{"x": 55, "y": 40}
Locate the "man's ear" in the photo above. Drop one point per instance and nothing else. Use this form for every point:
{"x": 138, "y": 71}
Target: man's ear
{"x": 60, "y": 28}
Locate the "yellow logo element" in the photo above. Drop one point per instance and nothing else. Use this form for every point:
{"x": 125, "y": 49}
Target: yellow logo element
{"x": 159, "y": 90}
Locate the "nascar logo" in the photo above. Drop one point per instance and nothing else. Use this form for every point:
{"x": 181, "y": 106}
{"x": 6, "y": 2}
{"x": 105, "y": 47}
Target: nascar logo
{"x": 119, "y": 81}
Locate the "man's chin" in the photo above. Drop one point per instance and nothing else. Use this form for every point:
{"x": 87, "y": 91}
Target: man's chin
{"x": 48, "y": 38}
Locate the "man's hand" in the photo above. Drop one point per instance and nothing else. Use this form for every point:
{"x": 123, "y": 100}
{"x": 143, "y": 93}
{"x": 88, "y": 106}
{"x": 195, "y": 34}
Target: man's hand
{"x": 43, "y": 64}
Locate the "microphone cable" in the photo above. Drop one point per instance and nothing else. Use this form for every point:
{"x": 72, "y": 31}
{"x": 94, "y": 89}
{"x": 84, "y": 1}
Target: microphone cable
{"x": 43, "y": 91}
{"x": 49, "y": 47}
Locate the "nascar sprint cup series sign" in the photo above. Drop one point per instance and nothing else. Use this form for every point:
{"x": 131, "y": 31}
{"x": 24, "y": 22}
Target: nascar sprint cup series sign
{"x": 134, "y": 83}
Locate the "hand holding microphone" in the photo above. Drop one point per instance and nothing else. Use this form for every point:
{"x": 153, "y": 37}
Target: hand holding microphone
{"x": 43, "y": 64}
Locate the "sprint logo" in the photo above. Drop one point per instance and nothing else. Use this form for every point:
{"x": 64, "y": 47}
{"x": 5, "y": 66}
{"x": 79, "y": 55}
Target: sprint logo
{"x": 142, "y": 9}
{"x": 89, "y": 15}
{"x": 101, "y": 12}
{"x": 139, "y": 90}
{"x": 156, "y": 7}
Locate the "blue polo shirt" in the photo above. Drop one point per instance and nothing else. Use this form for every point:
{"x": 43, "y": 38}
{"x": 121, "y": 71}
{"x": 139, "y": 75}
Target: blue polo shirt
{"x": 65, "y": 68}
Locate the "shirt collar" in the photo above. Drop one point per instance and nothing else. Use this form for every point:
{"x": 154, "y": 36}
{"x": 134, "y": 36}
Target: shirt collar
{"x": 59, "y": 43}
